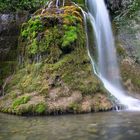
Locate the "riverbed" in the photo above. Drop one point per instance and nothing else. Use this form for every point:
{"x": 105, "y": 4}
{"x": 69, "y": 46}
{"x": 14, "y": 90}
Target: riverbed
{"x": 99, "y": 126}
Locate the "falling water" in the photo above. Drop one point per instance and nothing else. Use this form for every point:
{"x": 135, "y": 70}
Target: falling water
{"x": 50, "y": 4}
{"x": 107, "y": 68}
{"x": 63, "y": 2}
{"x": 57, "y": 3}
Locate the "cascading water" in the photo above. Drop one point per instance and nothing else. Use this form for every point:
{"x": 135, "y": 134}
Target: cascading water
{"x": 107, "y": 68}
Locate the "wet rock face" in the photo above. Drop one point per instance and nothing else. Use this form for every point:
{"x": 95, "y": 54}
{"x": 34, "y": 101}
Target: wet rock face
{"x": 9, "y": 32}
{"x": 129, "y": 36}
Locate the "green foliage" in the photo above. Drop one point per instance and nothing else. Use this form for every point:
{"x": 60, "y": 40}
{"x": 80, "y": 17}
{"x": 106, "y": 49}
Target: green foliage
{"x": 16, "y": 5}
{"x": 21, "y": 100}
{"x": 135, "y": 6}
{"x": 36, "y": 109}
{"x": 127, "y": 13}
{"x": 45, "y": 42}
{"x": 30, "y": 31}
{"x": 70, "y": 35}
{"x": 44, "y": 35}
{"x": 71, "y": 19}
{"x": 31, "y": 28}
{"x": 51, "y": 38}
{"x": 40, "y": 108}
{"x": 80, "y": 3}
{"x": 33, "y": 48}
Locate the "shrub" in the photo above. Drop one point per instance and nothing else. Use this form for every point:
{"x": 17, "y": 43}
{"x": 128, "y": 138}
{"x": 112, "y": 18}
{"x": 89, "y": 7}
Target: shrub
{"x": 16, "y": 5}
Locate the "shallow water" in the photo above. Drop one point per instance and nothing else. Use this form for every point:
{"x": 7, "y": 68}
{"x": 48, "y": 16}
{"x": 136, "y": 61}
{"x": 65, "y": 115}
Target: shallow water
{"x": 99, "y": 126}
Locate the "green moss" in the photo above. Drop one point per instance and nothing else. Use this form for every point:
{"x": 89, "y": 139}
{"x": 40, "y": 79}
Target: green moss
{"x": 43, "y": 34}
{"x": 23, "y": 109}
{"x": 13, "y": 95}
{"x": 31, "y": 28}
{"x": 29, "y": 32}
{"x": 21, "y": 100}
{"x": 128, "y": 12}
{"x": 40, "y": 108}
{"x": 75, "y": 107}
{"x": 70, "y": 19}
{"x": 33, "y": 48}
{"x": 121, "y": 51}
{"x": 70, "y": 35}
{"x": 29, "y": 83}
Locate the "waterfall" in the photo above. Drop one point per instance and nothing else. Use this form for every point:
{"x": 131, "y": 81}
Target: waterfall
{"x": 107, "y": 68}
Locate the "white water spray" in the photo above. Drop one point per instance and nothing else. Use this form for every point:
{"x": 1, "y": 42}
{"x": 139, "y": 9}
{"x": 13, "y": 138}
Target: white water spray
{"x": 108, "y": 70}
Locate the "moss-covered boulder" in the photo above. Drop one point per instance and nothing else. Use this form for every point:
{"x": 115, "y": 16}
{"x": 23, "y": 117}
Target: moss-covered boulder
{"x": 55, "y": 74}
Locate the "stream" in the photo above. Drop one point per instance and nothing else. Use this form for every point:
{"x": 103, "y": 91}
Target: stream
{"x": 99, "y": 126}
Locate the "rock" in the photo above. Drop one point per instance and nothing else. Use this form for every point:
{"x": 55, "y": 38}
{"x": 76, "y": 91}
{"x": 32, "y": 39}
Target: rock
{"x": 9, "y": 31}
{"x": 128, "y": 34}
{"x": 1, "y": 90}
{"x": 86, "y": 104}
{"x": 115, "y": 5}
{"x": 10, "y": 24}
{"x": 128, "y": 61}
{"x": 55, "y": 66}
{"x": 130, "y": 72}
{"x": 129, "y": 85}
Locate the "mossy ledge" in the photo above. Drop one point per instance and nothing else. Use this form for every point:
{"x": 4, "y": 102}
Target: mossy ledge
{"x": 55, "y": 75}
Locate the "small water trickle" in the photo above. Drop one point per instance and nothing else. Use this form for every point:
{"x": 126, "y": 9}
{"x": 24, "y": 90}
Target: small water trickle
{"x": 37, "y": 58}
{"x": 63, "y": 3}
{"x": 20, "y": 59}
{"x": 50, "y": 4}
{"x": 106, "y": 66}
{"x": 116, "y": 108}
{"x": 57, "y": 3}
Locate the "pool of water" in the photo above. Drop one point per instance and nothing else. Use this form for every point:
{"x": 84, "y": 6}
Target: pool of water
{"x": 96, "y": 126}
